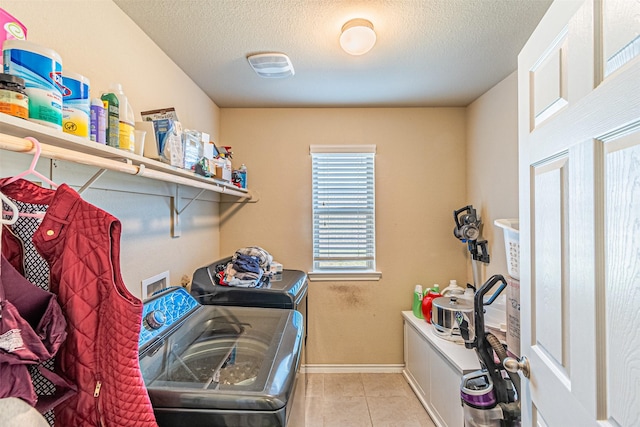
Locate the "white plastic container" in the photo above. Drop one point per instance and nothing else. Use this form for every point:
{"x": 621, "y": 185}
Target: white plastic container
{"x": 511, "y": 230}
{"x": 76, "y": 104}
{"x": 41, "y": 69}
{"x": 127, "y": 119}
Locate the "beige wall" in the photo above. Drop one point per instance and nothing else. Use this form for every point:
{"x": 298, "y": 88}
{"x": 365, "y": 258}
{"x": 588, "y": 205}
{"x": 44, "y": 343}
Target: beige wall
{"x": 80, "y": 32}
{"x": 492, "y": 166}
{"x": 420, "y": 180}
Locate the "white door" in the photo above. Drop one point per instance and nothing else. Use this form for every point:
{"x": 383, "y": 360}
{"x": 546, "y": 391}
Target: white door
{"x": 579, "y": 121}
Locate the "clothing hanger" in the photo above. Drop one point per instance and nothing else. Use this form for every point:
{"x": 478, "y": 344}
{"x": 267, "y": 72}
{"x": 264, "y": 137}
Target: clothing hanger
{"x": 14, "y": 211}
{"x": 32, "y": 169}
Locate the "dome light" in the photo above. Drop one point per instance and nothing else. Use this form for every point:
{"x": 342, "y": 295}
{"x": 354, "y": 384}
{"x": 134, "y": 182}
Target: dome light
{"x": 357, "y": 37}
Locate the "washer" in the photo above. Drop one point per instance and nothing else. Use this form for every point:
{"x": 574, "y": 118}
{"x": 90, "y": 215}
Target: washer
{"x": 284, "y": 290}
{"x": 207, "y": 365}
{"x": 287, "y": 290}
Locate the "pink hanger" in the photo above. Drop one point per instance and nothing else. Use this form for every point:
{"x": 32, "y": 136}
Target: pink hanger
{"x": 32, "y": 169}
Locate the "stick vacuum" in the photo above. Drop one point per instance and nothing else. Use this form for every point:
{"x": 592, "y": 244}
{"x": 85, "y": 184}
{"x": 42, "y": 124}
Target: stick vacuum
{"x": 490, "y": 395}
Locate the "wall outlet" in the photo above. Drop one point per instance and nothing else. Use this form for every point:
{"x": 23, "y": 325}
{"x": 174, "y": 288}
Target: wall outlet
{"x": 154, "y": 284}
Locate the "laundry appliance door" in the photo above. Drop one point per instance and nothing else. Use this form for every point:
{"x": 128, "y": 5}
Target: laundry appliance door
{"x": 283, "y": 290}
{"x": 230, "y": 366}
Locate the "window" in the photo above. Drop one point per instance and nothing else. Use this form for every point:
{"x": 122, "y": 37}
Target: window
{"x": 343, "y": 212}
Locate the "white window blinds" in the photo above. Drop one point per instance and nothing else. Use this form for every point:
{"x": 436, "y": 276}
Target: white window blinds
{"x": 343, "y": 208}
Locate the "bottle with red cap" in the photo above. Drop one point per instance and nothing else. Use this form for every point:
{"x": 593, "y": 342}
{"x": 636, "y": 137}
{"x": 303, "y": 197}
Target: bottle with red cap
{"x": 427, "y": 301}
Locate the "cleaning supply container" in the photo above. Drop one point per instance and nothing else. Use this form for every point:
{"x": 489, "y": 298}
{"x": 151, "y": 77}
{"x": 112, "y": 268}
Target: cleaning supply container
{"x": 427, "y": 301}
{"x": 13, "y": 29}
{"x": 417, "y": 302}
{"x": 41, "y": 69}
{"x": 98, "y": 122}
{"x": 13, "y": 97}
{"x": 76, "y": 104}
{"x": 112, "y": 108}
{"x": 126, "y": 120}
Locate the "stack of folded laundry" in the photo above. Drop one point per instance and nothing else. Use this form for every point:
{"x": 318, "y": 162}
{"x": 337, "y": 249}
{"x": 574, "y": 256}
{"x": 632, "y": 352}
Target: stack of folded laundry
{"x": 249, "y": 268}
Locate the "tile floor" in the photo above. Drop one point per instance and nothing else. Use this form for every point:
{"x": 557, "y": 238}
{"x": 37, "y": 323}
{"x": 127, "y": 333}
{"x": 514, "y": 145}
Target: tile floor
{"x": 362, "y": 400}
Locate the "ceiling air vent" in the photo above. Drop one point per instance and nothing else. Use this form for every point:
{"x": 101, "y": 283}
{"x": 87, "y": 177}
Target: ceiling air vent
{"x": 271, "y": 65}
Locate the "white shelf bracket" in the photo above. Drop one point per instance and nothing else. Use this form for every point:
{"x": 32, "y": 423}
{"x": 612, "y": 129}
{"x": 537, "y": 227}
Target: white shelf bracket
{"x": 91, "y": 180}
{"x": 176, "y": 211}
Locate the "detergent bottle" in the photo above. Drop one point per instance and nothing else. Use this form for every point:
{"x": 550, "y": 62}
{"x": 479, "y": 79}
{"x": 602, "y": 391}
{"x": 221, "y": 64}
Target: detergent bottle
{"x": 112, "y": 108}
{"x": 427, "y": 301}
{"x": 417, "y": 301}
{"x": 126, "y": 119}
{"x": 453, "y": 289}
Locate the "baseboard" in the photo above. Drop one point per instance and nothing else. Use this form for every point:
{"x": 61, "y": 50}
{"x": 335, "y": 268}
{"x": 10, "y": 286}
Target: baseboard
{"x": 352, "y": 369}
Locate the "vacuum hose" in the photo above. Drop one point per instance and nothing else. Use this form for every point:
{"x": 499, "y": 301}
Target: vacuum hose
{"x": 497, "y": 346}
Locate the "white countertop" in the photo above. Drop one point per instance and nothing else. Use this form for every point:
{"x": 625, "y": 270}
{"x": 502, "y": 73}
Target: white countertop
{"x": 458, "y": 355}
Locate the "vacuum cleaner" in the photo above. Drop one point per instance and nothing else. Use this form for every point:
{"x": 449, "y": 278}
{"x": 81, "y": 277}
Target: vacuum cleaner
{"x": 490, "y": 395}
{"x": 467, "y": 230}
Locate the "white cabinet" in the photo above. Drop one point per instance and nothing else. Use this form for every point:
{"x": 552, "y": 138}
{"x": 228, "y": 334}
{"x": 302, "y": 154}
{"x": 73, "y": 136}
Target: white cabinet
{"x": 434, "y": 368}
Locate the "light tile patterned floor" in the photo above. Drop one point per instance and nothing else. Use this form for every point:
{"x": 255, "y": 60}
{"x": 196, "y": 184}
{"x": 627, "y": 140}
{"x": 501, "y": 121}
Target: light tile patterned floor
{"x": 367, "y": 400}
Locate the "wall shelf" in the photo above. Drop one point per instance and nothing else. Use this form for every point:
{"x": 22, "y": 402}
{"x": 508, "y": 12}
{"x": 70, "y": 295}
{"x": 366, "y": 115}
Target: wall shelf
{"x": 58, "y": 145}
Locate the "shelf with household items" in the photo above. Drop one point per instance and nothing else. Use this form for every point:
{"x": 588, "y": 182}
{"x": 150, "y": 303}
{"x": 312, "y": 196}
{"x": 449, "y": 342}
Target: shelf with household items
{"x": 58, "y": 145}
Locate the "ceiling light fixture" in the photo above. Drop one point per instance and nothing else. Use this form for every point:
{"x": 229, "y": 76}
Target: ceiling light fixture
{"x": 271, "y": 65}
{"x": 357, "y": 36}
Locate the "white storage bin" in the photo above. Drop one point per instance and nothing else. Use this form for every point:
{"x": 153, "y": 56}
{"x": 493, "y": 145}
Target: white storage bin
{"x": 511, "y": 229}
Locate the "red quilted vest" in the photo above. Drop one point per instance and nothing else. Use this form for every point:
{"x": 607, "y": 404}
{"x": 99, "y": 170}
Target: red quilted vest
{"x": 81, "y": 244}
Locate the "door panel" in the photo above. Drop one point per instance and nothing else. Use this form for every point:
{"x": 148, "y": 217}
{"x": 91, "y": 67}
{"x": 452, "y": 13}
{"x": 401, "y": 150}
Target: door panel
{"x": 623, "y": 278}
{"x": 549, "y": 81}
{"x": 621, "y": 33}
{"x": 548, "y": 284}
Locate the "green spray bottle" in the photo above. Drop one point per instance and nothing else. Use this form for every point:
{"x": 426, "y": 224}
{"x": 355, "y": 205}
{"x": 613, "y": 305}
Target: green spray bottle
{"x": 111, "y": 106}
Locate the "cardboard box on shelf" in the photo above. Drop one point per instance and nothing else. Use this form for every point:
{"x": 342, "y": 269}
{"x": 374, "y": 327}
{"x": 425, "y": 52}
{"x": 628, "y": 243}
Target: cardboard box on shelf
{"x": 513, "y": 316}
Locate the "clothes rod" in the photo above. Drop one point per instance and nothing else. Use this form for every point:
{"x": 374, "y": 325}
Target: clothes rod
{"x": 21, "y": 145}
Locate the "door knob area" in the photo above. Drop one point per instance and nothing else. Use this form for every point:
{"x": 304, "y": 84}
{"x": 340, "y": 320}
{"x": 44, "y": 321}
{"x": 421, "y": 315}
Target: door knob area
{"x": 512, "y": 365}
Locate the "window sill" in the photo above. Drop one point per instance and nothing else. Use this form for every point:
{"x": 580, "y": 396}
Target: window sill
{"x": 339, "y": 276}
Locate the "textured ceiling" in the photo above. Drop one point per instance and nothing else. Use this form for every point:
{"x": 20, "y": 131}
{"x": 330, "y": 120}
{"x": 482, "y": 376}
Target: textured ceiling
{"x": 428, "y": 53}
